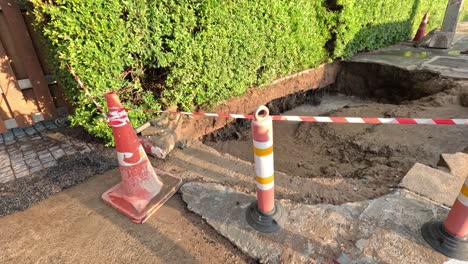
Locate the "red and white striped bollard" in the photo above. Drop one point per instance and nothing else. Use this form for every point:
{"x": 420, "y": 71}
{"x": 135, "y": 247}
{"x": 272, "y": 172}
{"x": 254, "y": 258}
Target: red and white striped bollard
{"x": 264, "y": 215}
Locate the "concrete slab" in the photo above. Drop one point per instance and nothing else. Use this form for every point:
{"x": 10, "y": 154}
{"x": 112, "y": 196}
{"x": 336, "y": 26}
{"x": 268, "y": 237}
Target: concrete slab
{"x": 433, "y": 184}
{"x": 450, "y": 66}
{"x": 384, "y": 230}
{"x": 457, "y": 163}
{"x": 449, "y": 63}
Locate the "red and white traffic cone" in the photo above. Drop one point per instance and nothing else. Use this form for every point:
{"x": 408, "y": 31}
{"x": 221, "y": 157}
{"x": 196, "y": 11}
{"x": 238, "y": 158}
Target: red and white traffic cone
{"x": 422, "y": 28}
{"x": 141, "y": 191}
{"x": 450, "y": 237}
{"x": 264, "y": 214}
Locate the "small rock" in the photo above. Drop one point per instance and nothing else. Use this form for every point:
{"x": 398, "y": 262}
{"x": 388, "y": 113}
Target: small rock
{"x": 182, "y": 144}
{"x": 159, "y": 146}
{"x": 355, "y": 188}
{"x": 153, "y": 131}
{"x": 237, "y": 135}
{"x": 361, "y": 243}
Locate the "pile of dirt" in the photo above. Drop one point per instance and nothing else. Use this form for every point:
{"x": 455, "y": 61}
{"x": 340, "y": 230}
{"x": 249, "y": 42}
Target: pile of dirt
{"x": 378, "y": 156}
{"x": 71, "y": 170}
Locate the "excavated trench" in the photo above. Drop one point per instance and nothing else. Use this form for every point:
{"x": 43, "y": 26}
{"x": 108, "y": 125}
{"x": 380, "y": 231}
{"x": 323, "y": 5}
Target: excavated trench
{"x": 354, "y": 162}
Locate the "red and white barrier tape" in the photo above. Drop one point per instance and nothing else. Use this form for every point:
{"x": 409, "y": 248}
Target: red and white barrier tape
{"x": 83, "y": 86}
{"x": 312, "y": 119}
{"x": 329, "y": 119}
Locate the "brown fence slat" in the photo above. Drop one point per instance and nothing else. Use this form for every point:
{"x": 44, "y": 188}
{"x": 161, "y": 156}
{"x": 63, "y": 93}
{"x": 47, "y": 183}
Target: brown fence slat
{"x": 10, "y": 48}
{"x": 2, "y": 126}
{"x": 20, "y": 107}
{"x": 5, "y": 112}
{"x": 37, "y": 42}
{"x": 28, "y": 57}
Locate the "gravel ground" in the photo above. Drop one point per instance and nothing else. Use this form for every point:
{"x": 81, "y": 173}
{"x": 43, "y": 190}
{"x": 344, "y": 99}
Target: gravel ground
{"x": 71, "y": 170}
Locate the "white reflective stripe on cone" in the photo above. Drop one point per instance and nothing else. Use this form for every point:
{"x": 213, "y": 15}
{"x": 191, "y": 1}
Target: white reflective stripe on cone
{"x": 264, "y": 166}
{"x": 263, "y": 145}
{"x": 265, "y": 187}
{"x": 463, "y": 199}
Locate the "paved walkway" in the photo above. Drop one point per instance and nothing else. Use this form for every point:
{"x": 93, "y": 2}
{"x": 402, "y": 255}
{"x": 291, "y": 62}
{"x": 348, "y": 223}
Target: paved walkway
{"x": 24, "y": 152}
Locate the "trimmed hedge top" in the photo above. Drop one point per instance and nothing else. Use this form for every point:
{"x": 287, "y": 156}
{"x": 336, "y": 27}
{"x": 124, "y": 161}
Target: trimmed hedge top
{"x": 199, "y": 52}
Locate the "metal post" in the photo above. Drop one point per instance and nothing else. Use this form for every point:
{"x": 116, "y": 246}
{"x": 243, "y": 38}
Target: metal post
{"x": 443, "y": 39}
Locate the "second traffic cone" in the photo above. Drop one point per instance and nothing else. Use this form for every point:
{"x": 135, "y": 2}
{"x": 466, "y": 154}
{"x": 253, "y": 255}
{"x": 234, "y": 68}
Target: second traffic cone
{"x": 450, "y": 237}
{"x": 141, "y": 191}
{"x": 422, "y": 28}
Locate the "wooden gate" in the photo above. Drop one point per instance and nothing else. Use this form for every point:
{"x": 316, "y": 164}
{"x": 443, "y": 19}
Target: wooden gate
{"x": 29, "y": 93}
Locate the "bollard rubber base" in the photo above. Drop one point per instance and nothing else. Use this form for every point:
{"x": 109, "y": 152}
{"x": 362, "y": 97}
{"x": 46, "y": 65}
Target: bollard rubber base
{"x": 439, "y": 239}
{"x": 266, "y": 223}
{"x": 117, "y": 199}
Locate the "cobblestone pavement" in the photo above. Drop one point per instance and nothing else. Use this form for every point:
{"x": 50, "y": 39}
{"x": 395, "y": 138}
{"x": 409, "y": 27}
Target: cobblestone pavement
{"x": 25, "y": 151}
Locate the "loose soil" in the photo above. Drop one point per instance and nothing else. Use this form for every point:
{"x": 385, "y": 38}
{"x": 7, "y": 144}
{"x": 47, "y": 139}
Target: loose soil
{"x": 377, "y": 156}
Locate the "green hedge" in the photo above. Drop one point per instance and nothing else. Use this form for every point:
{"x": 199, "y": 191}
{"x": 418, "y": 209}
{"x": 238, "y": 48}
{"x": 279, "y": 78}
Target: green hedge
{"x": 464, "y": 12}
{"x": 199, "y": 52}
{"x": 104, "y": 50}
{"x": 366, "y": 25}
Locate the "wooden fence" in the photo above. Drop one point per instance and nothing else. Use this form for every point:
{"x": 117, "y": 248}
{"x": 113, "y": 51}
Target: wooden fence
{"x": 29, "y": 93}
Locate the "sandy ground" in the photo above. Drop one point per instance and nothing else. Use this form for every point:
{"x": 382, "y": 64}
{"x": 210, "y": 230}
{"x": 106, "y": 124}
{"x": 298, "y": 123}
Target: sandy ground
{"x": 374, "y": 156}
{"x": 75, "y": 226}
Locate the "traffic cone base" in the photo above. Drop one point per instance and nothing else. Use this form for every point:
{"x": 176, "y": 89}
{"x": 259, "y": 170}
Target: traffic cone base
{"x": 116, "y": 198}
{"x": 438, "y": 238}
{"x": 266, "y": 223}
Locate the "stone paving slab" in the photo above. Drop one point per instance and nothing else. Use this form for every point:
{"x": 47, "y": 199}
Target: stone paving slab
{"x": 25, "y": 151}
{"x": 384, "y": 230}
{"x": 433, "y": 184}
{"x": 457, "y": 163}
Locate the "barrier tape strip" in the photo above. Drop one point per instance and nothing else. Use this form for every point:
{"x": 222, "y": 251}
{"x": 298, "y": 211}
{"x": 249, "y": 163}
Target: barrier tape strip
{"x": 331, "y": 119}
{"x": 311, "y": 119}
{"x": 328, "y": 119}
{"x": 83, "y": 86}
